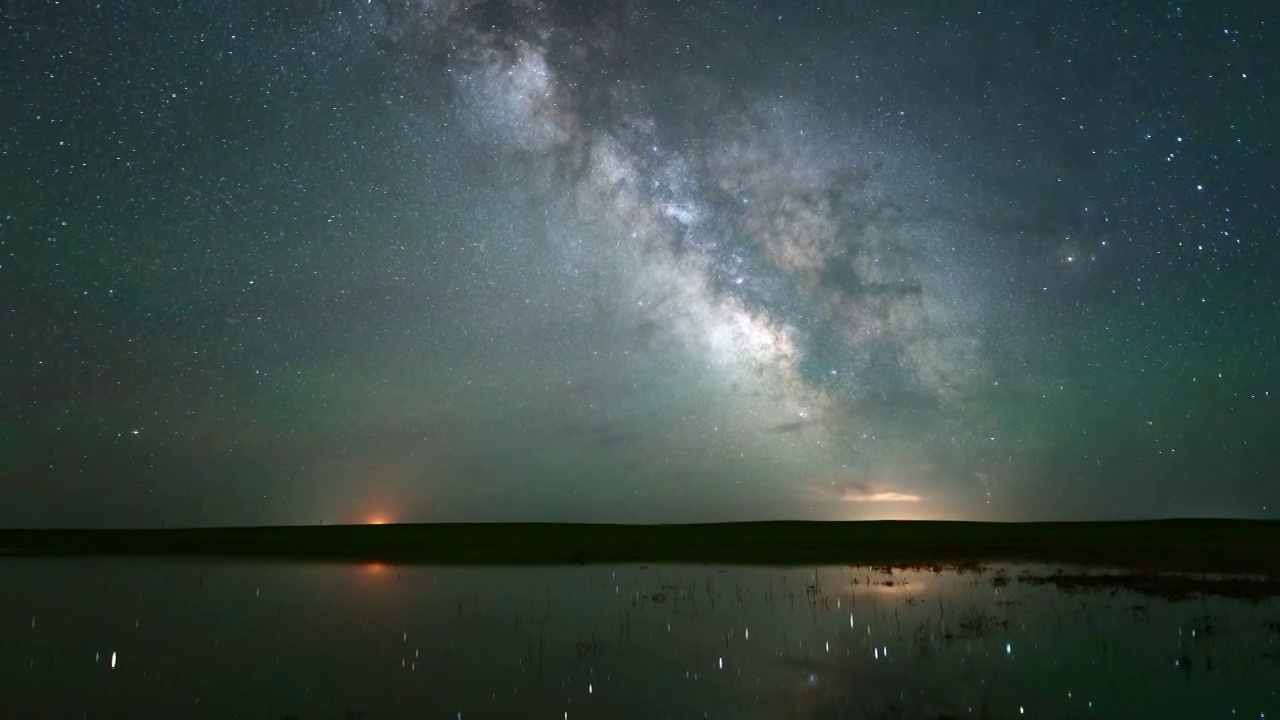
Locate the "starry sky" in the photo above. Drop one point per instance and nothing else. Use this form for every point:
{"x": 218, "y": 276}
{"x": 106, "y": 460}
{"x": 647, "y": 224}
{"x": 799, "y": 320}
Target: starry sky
{"x": 420, "y": 260}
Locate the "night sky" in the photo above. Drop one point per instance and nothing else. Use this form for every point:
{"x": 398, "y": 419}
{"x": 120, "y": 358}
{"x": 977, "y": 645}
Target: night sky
{"x": 420, "y": 260}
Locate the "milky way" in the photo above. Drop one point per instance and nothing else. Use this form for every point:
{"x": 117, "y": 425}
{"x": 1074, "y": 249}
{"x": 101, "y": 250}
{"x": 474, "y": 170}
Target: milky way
{"x": 821, "y": 278}
{"x": 516, "y": 260}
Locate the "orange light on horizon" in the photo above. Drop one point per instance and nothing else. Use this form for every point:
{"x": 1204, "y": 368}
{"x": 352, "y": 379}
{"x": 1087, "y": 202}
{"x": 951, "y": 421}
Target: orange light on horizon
{"x": 377, "y": 520}
{"x": 886, "y": 496}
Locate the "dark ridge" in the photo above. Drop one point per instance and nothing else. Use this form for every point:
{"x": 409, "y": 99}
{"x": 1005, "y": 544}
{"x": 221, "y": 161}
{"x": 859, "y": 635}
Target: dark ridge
{"x": 1209, "y": 546}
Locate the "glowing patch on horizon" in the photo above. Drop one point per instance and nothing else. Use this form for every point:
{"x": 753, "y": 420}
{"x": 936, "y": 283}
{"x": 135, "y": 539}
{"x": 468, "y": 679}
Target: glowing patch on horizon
{"x": 861, "y": 492}
{"x": 880, "y": 497}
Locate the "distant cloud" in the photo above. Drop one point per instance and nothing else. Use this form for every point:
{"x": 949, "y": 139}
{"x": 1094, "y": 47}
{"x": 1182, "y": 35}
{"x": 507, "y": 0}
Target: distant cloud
{"x": 864, "y": 493}
{"x": 791, "y": 427}
{"x": 600, "y": 435}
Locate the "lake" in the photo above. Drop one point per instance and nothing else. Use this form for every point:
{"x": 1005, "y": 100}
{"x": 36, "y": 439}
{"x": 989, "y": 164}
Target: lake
{"x": 122, "y": 638}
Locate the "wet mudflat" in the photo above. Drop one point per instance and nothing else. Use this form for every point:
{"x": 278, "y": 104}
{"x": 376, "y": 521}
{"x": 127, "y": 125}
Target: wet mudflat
{"x": 161, "y": 637}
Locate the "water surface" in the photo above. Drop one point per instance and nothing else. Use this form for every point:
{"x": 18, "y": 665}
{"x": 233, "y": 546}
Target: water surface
{"x": 209, "y": 639}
